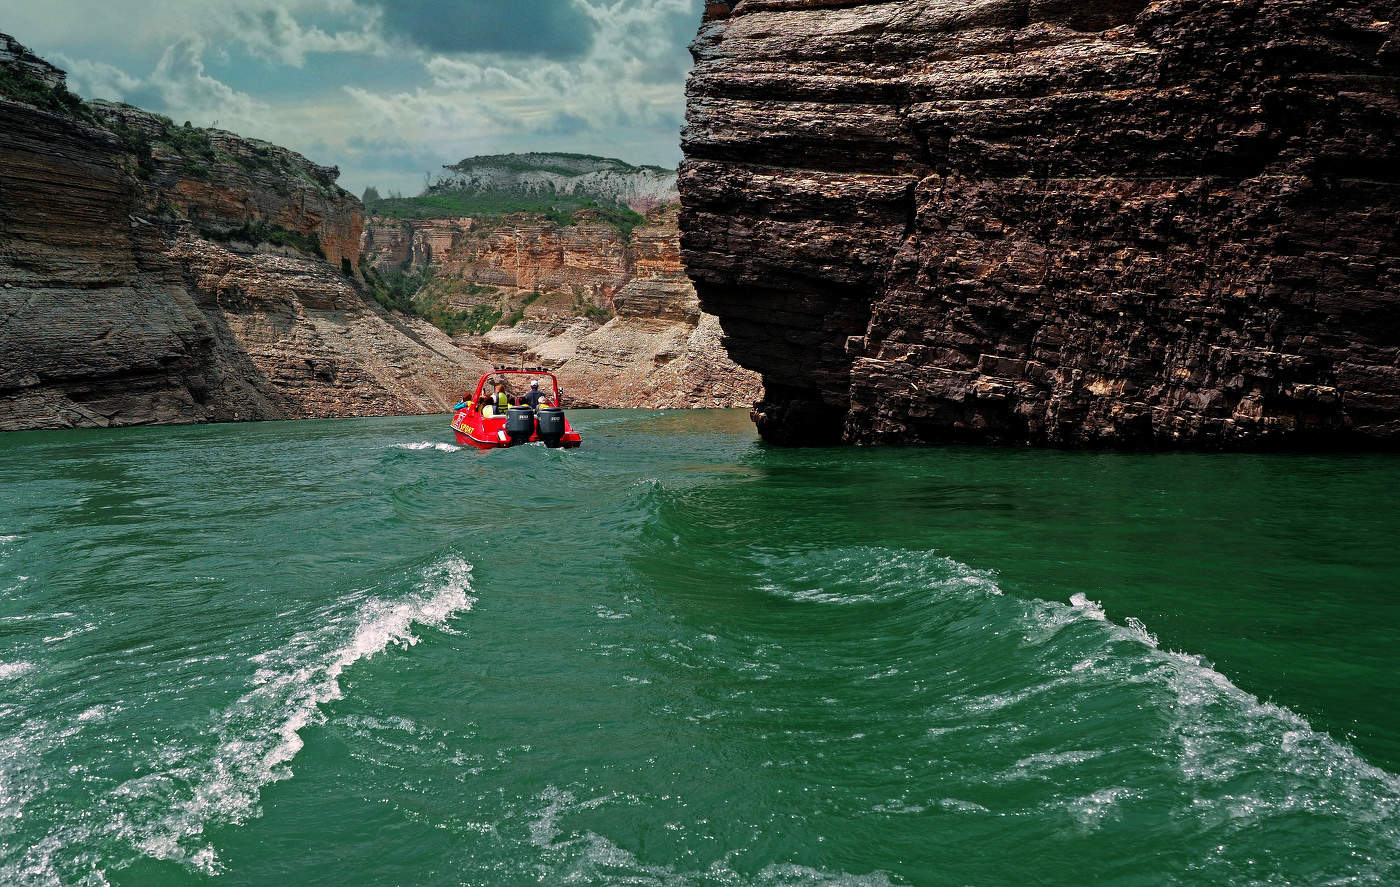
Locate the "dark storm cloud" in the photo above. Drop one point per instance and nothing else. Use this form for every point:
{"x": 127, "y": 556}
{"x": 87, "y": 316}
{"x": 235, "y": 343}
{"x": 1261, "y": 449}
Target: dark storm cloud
{"x": 555, "y": 29}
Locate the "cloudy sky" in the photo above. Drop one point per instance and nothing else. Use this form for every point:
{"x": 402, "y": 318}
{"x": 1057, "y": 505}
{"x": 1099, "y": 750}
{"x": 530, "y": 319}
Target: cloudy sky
{"x": 386, "y": 89}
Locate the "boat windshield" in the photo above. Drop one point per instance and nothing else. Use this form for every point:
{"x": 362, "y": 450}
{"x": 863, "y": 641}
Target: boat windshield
{"x": 516, "y": 386}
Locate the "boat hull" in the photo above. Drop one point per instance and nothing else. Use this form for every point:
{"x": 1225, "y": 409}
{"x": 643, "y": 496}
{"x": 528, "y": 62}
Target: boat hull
{"x": 489, "y": 433}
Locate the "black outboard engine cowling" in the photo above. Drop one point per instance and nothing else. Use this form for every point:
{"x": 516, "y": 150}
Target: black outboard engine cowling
{"x": 520, "y": 424}
{"x": 551, "y": 421}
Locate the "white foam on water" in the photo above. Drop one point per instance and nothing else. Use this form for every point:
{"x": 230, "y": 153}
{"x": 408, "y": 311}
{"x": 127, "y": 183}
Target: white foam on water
{"x": 588, "y": 857}
{"x": 1215, "y": 731}
{"x": 260, "y": 734}
{"x": 1081, "y": 602}
{"x": 960, "y": 806}
{"x": 1093, "y": 809}
{"x": 1223, "y": 734}
{"x": 428, "y": 445}
{"x": 23, "y": 783}
{"x": 72, "y": 632}
{"x": 867, "y": 575}
{"x": 11, "y": 670}
{"x": 1043, "y": 762}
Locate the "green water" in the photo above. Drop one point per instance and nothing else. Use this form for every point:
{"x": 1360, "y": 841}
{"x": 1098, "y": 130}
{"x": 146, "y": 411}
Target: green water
{"x": 338, "y": 653}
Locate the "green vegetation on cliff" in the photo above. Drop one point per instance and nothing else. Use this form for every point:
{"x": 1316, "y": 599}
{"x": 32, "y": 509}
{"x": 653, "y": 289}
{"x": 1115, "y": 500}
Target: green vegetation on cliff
{"x": 19, "y": 85}
{"x": 558, "y": 208}
{"x": 413, "y": 292}
{"x": 257, "y": 233}
{"x": 558, "y": 162}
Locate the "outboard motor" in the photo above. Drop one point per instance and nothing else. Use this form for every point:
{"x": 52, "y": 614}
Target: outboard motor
{"x": 551, "y": 421}
{"x": 520, "y": 424}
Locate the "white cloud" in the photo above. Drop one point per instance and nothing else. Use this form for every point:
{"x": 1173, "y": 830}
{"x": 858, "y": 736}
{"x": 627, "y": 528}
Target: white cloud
{"x": 624, "y": 97}
{"x": 272, "y": 30}
{"x": 183, "y": 83}
{"x": 98, "y": 80}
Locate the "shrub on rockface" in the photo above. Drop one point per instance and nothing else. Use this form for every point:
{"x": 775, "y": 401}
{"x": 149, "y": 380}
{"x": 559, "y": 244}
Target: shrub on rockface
{"x": 409, "y": 291}
{"x": 260, "y": 232}
{"x": 17, "y": 85}
{"x": 558, "y": 208}
{"x": 395, "y": 289}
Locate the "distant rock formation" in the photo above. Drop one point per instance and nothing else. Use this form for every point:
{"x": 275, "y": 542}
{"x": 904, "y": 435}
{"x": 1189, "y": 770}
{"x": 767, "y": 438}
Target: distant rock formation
{"x": 156, "y": 273}
{"x": 1120, "y": 223}
{"x": 612, "y": 313}
{"x": 607, "y": 179}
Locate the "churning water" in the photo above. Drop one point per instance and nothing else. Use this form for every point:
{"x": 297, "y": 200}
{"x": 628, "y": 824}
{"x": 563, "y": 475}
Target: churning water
{"x": 350, "y": 653}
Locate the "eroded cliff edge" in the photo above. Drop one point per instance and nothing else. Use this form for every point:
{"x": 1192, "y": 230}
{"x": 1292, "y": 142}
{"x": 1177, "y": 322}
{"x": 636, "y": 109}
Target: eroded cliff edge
{"x": 610, "y": 311}
{"x": 1111, "y": 224}
{"x": 154, "y": 273}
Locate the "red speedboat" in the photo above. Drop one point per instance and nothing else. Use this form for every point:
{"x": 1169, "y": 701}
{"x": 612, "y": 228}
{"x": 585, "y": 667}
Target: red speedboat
{"x": 488, "y": 428}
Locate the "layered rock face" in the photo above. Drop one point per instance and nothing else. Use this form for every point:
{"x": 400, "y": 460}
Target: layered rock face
{"x": 1076, "y": 224}
{"x": 520, "y": 252}
{"x": 642, "y": 188}
{"x": 614, "y": 316}
{"x": 121, "y": 303}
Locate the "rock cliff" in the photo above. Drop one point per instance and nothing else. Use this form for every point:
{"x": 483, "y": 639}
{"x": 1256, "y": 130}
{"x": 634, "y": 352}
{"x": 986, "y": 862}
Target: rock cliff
{"x": 611, "y": 312}
{"x": 155, "y": 273}
{"x": 1123, "y": 223}
{"x": 607, "y": 179}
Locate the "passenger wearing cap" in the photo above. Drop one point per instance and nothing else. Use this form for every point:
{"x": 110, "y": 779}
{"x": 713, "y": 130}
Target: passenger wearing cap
{"x": 533, "y": 397}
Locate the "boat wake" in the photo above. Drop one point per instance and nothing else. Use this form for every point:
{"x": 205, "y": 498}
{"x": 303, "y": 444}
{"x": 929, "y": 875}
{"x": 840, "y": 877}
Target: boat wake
{"x": 186, "y": 788}
{"x": 590, "y": 858}
{"x": 436, "y": 446}
{"x": 1240, "y": 762}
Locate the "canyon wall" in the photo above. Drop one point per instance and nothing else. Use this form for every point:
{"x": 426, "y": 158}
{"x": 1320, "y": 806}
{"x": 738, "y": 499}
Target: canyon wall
{"x": 611, "y": 312}
{"x": 606, "y": 179}
{"x": 156, "y": 273}
{"x": 1165, "y": 224}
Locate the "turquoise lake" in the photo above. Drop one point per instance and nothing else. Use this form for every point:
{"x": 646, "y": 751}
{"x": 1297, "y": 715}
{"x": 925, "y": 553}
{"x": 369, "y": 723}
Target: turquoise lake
{"x": 350, "y": 653}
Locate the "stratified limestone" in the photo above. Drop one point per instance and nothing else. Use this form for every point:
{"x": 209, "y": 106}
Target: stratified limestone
{"x": 656, "y": 351}
{"x": 1166, "y": 224}
{"x": 604, "y": 179}
{"x": 117, "y": 307}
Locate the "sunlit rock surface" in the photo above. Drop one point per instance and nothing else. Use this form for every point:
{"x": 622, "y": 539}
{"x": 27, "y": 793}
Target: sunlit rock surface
{"x": 613, "y": 315}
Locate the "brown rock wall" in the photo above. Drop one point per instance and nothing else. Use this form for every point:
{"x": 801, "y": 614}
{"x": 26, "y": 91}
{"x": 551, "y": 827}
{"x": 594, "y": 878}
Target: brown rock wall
{"x": 222, "y": 182}
{"x": 658, "y": 350}
{"x": 522, "y": 252}
{"x": 1126, "y": 224}
{"x": 116, "y": 310}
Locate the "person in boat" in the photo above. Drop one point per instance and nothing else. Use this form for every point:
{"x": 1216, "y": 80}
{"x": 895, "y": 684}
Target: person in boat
{"x": 533, "y": 397}
{"x": 494, "y": 404}
{"x": 501, "y": 399}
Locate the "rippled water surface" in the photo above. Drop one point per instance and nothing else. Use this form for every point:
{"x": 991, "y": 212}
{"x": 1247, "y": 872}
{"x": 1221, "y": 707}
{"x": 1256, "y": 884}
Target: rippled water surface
{"x": 348, "y": 653}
